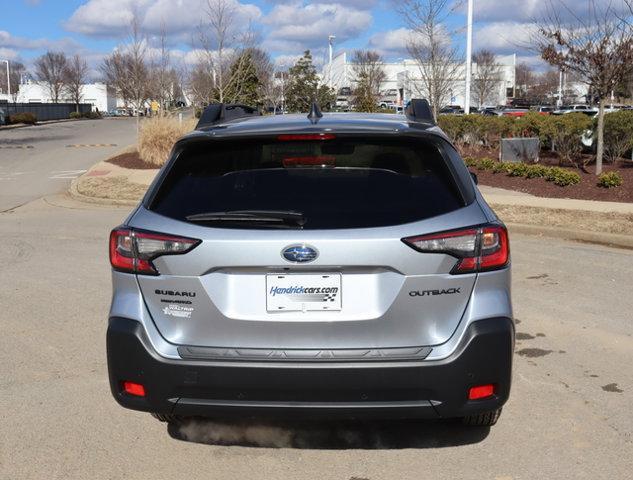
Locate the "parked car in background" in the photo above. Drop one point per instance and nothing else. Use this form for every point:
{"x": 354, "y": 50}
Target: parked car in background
{"x": 235, "y": 293}
{"x": 342, "y": 104}
{"x": 578, "y": 108}
{"x": 452, "y": 110}
{"x": 543, "y": 109}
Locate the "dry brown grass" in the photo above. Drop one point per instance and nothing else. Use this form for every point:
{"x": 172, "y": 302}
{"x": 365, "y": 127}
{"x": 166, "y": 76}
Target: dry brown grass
{"x": 157, "y": 136}
{"x": 111, "y": 187}
{"x": 618, "y": 223}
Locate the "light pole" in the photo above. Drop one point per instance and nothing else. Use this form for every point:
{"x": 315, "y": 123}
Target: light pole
{"x": 469, "y": 54}
{"x": 8, "y": 81}
{"x": 330, "y": 38}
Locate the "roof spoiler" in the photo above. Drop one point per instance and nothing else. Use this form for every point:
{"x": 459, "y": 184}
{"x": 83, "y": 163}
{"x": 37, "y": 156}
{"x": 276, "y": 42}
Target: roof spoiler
{"x": 223, "y": 112}
{"x": 419, "y": 110}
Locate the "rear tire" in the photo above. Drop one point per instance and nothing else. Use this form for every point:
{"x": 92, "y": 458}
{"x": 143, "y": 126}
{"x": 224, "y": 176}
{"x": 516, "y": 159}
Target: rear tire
{"x": 485, "y": 419}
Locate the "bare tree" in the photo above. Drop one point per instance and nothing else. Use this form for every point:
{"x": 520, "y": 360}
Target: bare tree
{"x": 127, "y": 71}
{"x": 16, "y": 71}
{"x": 369, "y": 75}
{"x": 430, "y": 46}
{"x": 75, "y": 75}
{"x": 217, "y": 41}
{"x": 524, "y": 78}
{"x": 487, "y": 76}
{"x": 49, "y": 68}
{"x": 200, "y": 82}
{"x": 163, "y": 74}
{"x": 597, "y": 46}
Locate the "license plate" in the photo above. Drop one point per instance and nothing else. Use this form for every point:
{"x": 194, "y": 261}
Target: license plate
{"x": 302, "y": 293}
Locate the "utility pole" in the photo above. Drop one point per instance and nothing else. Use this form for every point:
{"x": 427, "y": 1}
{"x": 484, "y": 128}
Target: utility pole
{"x": 330, "y": 39}
{"x": 469, "y": 55}
{"x": 8, "y": 81}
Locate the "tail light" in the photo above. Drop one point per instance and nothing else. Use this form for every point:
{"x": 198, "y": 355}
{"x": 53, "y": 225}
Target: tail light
{"x": 478, "y": 249}
{"x": 132, "y": 251}
{"x": 303, "y": 137}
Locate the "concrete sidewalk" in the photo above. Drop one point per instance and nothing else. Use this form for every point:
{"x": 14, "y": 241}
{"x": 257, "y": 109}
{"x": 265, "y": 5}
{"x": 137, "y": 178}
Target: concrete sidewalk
{"x": 499, "y": 196}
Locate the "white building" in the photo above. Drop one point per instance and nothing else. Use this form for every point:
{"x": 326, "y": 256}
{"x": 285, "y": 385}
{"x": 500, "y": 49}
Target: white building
{"x": 404, "y": 76}
{"x": 99, "y": 95}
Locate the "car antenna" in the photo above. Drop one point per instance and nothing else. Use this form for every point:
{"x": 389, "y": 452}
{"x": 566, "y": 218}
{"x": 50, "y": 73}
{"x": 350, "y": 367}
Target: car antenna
{"x": 315, "y": 113}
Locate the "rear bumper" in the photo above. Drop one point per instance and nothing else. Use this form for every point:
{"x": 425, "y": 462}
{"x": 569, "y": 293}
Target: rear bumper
{"x": 416, "y": 389}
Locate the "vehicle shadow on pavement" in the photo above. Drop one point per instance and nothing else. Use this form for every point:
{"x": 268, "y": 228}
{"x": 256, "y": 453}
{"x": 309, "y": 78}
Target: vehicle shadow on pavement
{"x": 376, "y": 435}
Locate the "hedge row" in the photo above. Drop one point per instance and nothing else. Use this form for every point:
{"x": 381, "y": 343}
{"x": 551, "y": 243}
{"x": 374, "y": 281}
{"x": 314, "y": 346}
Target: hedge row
{"x": 562, "y": 131}
{"x": 91, "y": 115}
{"x": 25, "y": 117}
{"x": 559, "y": 176}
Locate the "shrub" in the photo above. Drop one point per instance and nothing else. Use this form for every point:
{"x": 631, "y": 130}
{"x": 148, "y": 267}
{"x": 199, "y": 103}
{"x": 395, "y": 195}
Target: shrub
{"x": 493, "y": 129}
{"x": 75, "y": 115}
{"x": 536, "y": 171}
{"x": 565, "y": 132}
{"x": 92, "y": 115}
{"x": 609, "y": 180}
{"x": 471, "y": 162}
{"x": 25, "y": 117}
{"x": 562, "y": 177}
{"x": 532, "y": 124}
{"x": 486, "y": 164}
{"x": 500, "y": 167}
{"x": 157, "y": 136}
{"x": 453, "y": 126}
{"x": 618, "y": 134}
{"x": 517, "y": 169}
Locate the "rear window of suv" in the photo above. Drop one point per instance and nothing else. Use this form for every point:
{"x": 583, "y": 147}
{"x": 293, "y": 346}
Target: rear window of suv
{"x": 334, "y": 183}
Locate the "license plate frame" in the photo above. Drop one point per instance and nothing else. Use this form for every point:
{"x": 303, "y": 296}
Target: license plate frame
{"x": 303, "y": 292}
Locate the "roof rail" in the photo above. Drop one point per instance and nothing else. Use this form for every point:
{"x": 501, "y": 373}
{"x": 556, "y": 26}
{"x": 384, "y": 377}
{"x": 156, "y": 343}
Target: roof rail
{"x": 419, "y": 110}
{"x": 223, "y": 112}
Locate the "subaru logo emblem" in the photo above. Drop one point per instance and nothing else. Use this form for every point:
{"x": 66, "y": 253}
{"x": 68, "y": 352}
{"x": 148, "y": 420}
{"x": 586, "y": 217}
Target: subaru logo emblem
{"x": 299, "y": 253}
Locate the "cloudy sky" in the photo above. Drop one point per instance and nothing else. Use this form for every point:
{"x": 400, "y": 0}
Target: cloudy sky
{"x": 93, "y": 28}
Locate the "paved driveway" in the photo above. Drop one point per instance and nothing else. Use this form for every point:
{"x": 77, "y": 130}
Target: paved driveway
{"x": 569, "y": 416}
{"x": 43, "y": 159}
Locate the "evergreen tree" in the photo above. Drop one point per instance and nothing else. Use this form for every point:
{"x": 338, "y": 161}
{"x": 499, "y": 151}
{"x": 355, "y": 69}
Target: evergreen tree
{"x": 303, "y": 87}
{"x": 244, "y": 84}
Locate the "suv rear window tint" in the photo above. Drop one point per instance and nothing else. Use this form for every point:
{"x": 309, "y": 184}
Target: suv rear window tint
{"x": 336, "y": 183}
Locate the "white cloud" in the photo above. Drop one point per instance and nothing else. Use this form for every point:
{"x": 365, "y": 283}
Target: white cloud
{"x": 309, "y": 25}
{"x": 391, "y": 42}
{"x": 8, "y": 54}
{"x": 8, "y": 40}
{"x": 504, "y": 37}
{"x": 112, "y": 18}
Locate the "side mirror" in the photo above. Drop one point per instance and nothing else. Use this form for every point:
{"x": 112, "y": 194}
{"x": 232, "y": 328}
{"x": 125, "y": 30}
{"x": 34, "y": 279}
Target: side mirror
{"x": 474, "y": 177}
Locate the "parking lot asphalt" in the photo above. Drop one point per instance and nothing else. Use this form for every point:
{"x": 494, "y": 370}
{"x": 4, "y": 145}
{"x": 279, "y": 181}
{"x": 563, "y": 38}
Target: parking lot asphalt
{"x": 43, "y": 159}
{"x": 569, "y": 416}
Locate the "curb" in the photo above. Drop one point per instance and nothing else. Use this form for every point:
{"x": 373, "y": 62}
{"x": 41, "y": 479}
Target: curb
{"x": 45, "y": 122}
{"x": 606, "y": 239}
{"x": 74, "y": 193}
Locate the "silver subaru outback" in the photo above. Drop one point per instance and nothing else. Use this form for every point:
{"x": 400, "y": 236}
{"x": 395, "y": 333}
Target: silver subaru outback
{"x": 334, "y": 265}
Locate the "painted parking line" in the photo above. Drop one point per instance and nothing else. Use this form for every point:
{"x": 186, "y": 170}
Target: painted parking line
{"x": 80, "y": 145}
{"x": 66, "y": 174}
{"x": 7, "y": 147}
{"x": 12, "y": 175}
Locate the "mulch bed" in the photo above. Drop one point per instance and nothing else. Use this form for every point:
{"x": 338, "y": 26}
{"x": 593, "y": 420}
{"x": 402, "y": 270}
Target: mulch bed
{"x": 587, "y": 189}
{"x": 131, "y": 160}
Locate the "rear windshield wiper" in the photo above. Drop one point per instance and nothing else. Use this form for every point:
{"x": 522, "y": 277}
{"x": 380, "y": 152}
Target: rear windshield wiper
{"x": 262, "y": 217}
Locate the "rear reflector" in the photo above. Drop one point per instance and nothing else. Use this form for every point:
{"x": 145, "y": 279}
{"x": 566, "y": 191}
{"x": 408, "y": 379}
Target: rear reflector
{"x": 478, "y": 249}
{"x": 132, "y": 251}
{"x": 305, "y": 137}
{"x": 135, "y": 389}
{"x": 481, "y": 391}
